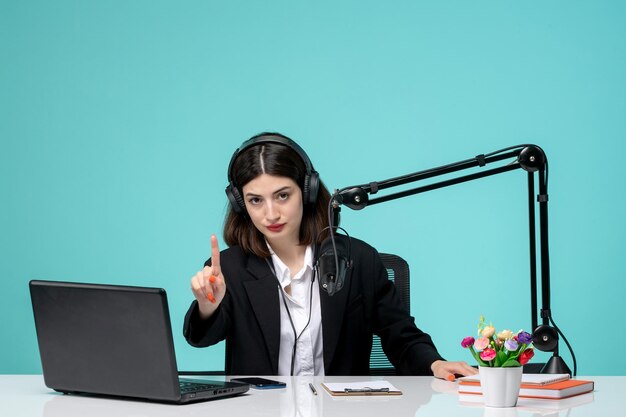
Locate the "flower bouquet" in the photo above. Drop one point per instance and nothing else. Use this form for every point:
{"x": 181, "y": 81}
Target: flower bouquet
{"x": 500, "y": 357}
{"x": 503, "y": 349}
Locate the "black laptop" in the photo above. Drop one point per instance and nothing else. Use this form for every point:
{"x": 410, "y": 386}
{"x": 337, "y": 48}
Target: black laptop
{"x": 113, "y": 340}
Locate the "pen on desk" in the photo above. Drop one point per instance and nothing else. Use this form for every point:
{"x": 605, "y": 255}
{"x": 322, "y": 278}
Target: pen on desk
{"x": 313, "y": 390}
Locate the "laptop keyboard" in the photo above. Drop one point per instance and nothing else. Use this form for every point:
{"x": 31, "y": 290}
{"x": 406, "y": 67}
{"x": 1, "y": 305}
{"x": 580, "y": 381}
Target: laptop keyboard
{"x": 186, "y": 386}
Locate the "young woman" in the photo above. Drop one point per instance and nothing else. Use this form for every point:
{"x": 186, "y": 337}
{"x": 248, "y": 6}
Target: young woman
{"x": 261, "y": 294}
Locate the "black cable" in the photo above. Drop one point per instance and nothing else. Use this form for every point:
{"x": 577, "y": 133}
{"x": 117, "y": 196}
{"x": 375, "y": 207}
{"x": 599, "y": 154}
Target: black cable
{"x": 571, "y": 351}
{"x": 443, "y": 167}
{"x": 551, "y": 320}
{"x": 293, "y": 327}
{"x": 546, "y": 175}
{"x": 293, "y": 355}
{"x": 454, "y": 164}
{"x": 510, "y": 148}
{"x": 332, "y": 236}
{"x": 332, "y": 233}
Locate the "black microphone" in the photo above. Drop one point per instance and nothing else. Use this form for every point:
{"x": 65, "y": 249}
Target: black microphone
{"x": 332, "y": 264}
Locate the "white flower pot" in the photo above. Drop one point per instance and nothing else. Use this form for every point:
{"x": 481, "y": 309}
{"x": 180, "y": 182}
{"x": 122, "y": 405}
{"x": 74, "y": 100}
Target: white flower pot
{"x": 500, "y": 386}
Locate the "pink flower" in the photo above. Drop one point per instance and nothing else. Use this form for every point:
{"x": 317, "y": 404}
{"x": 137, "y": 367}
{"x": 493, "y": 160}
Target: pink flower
{"x": 526, "y": 356}
{"x": 488, "y": 354}
{"x": 467, "y": 342}
{"x": 481, "y": 343}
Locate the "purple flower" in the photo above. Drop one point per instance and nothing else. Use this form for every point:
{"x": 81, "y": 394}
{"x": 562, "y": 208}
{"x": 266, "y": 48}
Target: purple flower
{"x": 467, "y": 342}
{"x": 524, "y": 337}
{"x": 510, "y": 345}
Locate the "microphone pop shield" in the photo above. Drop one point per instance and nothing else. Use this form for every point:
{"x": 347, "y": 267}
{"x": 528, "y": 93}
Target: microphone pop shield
{"x": 331, "y": 278}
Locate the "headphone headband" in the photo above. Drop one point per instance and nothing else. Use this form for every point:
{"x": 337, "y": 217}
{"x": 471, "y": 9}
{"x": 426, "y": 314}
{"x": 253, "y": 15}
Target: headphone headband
{"x": 311, "y": 178}
{"x": 271, "y": 138}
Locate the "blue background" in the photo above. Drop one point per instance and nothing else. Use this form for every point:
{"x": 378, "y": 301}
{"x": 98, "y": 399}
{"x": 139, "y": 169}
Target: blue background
{"x": 118, "y": 119}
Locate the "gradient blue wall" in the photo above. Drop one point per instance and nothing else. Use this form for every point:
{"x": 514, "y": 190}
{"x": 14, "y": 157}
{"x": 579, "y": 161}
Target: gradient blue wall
{"x": 118, "y": 119}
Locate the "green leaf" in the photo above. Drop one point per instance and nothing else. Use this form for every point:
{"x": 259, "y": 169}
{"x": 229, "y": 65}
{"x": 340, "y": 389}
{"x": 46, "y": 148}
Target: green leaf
{"x": 511, "y": 363}
{"x": 477, "y": 356}
{"x": 501, "y": 357}
{"x": 521, "y": 348}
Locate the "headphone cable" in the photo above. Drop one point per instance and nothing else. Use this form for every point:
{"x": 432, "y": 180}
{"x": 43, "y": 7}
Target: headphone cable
{"x": 293, "y": 327}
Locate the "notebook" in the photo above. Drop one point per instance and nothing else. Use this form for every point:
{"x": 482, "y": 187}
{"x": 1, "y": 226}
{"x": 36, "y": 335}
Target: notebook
{"x": 113, "y": 340}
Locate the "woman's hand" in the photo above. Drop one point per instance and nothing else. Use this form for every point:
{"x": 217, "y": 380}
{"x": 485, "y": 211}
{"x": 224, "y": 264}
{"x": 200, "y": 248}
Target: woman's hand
{"x": 208, "y": 285}
{"x": 448, "y": 370}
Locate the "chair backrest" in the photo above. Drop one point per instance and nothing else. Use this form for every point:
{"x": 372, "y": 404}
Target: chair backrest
{"x": 398, "y": 272}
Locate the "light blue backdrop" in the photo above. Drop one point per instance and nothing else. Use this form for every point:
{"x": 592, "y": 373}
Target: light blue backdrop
{"x": 118, "y": 119}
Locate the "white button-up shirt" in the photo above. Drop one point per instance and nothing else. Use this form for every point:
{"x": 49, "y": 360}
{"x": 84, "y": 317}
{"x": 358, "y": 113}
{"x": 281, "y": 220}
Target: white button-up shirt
{"x": 302, "y": 304}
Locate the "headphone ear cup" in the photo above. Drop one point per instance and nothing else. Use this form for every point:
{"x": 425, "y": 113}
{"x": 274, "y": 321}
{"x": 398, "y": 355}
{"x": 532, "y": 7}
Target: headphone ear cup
{"x": 235, "y": 198}
{"x": 311, "y": 187}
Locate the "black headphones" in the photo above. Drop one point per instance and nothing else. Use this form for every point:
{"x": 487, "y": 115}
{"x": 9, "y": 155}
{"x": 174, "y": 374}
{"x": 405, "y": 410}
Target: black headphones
{"x": 311, "y": 178}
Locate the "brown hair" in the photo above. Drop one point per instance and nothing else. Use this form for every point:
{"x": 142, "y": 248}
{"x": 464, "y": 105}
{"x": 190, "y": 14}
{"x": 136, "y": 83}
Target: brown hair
{"x": 279, "y": 160}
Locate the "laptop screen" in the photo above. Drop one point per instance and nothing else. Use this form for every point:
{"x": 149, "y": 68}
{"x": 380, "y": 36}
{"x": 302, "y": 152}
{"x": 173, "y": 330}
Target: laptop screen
{"x": 105, "y": 339}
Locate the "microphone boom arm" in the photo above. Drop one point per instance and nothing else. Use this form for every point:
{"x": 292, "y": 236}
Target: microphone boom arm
{"x": 530, "y": 158}
{"x": 357, "y": 197}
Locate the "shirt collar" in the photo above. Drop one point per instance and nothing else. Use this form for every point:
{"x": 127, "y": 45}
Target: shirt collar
{"x": 282, "y": 271}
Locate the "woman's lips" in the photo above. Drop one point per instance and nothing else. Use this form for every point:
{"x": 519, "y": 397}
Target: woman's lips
{"x": 276, "y": 227}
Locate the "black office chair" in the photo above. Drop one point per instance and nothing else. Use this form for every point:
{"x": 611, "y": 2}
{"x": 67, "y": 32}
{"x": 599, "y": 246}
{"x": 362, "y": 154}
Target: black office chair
{"x": 398, "y": 271}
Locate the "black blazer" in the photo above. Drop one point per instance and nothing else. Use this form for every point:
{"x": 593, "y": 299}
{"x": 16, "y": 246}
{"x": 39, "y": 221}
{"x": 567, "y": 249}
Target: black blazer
{"x": 249, "y": 319}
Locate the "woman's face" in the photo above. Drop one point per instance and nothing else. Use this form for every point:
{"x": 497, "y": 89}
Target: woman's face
{"x": 274, "y": 205}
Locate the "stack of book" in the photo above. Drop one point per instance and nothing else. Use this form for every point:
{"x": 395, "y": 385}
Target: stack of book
{"x": 535, "y": 386}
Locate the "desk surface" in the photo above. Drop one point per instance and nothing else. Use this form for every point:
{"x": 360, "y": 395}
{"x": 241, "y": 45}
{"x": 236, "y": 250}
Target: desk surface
{"x": 26, "y": 395}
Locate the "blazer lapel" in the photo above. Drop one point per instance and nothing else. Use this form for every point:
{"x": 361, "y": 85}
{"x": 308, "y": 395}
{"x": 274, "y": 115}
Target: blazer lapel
{"x": 333, "y": 308}
{"x": 263, "y": 297}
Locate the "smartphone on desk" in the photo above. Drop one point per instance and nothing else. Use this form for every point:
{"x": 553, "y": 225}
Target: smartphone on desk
{"x": 261, "y": 383}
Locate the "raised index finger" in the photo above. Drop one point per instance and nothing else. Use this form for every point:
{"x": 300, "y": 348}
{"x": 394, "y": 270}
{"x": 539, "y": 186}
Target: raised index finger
{"x": 215, "y": 257}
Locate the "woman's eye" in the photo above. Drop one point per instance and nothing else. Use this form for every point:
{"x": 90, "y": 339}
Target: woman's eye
{"x": 254, "y": 201}
{"x": 283, "y": 196}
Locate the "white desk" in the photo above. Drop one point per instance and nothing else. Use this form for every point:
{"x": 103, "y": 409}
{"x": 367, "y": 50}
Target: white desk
{"x": 26, "y": 395}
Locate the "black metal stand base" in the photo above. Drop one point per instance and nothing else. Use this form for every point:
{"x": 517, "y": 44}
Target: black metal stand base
{"x": 556, "y": 365}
